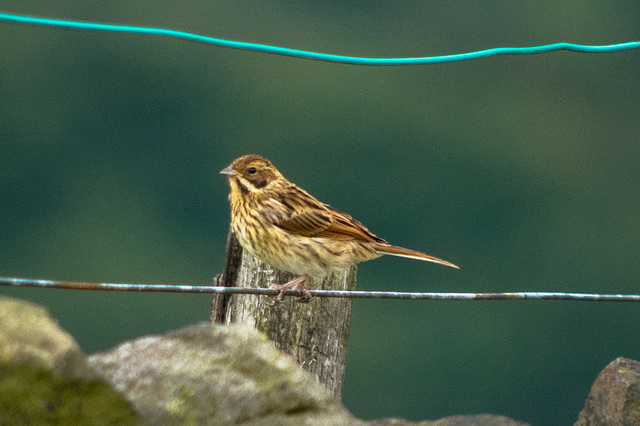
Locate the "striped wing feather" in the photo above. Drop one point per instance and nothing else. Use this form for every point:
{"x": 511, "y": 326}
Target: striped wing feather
{"x": 323, "y": 221}
{"x": 327, "y": 222}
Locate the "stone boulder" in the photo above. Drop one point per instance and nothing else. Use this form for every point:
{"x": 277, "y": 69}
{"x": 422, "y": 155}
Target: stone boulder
{"x": 204, "y": 374}
{"x": 218, "y": 375}
{"x": 44, "y": 376}
{"x": 615, "y": 396}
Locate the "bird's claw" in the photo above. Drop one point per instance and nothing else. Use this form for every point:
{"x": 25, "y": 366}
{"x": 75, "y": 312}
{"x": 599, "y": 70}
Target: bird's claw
{"x": 295, "y": 284}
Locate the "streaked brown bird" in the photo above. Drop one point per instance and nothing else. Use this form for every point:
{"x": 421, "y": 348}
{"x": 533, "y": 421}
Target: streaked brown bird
{"x": 285, "y": 227}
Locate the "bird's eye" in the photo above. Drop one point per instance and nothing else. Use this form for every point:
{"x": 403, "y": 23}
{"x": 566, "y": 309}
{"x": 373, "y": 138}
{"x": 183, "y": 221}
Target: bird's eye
{"x": 252, "y": 170}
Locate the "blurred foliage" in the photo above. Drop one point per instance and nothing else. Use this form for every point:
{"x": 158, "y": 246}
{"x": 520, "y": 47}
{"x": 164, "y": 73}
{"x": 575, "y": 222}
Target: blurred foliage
{"x": 521, "y": 169}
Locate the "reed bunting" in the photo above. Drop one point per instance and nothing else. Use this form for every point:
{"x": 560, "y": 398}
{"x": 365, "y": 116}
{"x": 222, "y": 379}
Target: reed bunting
{"x": 285, "y": 227}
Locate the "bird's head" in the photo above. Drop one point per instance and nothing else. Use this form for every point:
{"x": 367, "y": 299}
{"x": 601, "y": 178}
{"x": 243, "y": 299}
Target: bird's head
{"x": 251, "y": 173}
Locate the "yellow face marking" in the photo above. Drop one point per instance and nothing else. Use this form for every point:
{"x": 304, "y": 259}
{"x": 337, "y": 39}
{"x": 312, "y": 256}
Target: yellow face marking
{"x": 246, "y": 183}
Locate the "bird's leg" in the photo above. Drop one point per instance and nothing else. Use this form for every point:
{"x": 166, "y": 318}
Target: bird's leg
{"x": 294, "y": 284}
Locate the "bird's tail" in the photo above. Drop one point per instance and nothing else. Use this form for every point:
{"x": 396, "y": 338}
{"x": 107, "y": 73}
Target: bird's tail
{"x": 410, "y": 254}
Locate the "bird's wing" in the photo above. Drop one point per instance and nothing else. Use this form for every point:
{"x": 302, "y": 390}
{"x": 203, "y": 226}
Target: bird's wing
{"x": 323, "y": 221}
{"x": 345, "y": 227}
{"x": 307, "y": 223}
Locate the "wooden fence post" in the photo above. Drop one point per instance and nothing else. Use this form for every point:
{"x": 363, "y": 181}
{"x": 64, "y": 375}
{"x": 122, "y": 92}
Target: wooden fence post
{"x": 315, "y": 334}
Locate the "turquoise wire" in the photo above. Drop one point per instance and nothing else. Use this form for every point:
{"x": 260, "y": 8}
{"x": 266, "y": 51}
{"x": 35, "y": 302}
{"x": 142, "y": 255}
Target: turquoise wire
{"x": 315, "y": 55}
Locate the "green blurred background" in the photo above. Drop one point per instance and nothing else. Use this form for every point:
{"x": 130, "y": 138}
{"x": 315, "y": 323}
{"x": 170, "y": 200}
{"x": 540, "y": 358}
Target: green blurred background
{"x": 524, "y": 170}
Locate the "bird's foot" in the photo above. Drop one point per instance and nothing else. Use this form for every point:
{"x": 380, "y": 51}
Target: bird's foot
{"x": 294, "y": 284}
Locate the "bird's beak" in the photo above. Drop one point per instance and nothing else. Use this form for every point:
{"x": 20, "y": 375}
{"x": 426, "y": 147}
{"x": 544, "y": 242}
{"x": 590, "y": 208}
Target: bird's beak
{"x": 228, "y": 171}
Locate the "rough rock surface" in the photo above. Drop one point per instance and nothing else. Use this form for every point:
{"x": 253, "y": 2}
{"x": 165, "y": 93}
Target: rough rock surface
{"x": 477, "y": 420}
{"x": 214, "y": 374}
{"x": 205, "y": 374}
{"x": 44, "y": 377}
{"x": 615, "y": 396}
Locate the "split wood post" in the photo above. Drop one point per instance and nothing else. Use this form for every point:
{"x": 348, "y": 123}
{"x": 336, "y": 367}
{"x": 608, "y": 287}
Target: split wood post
{"x": 316, "y": 334}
